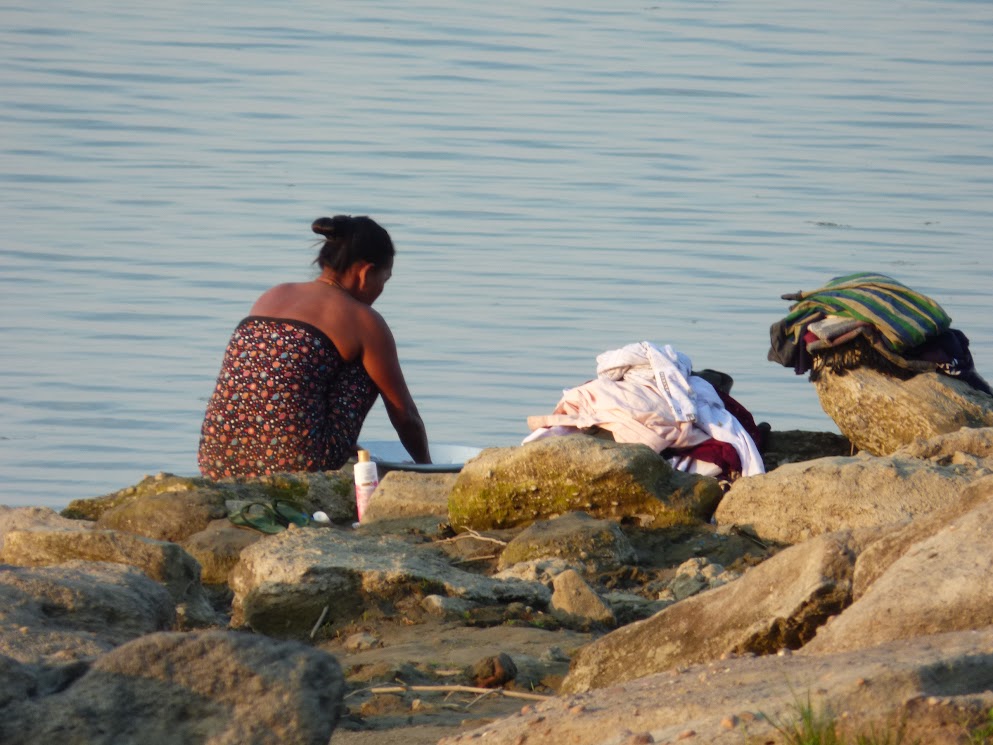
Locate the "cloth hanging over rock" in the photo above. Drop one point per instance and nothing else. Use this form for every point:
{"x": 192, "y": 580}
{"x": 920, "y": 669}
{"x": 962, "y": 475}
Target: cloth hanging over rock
{"x": 870, "y": 318}
{"x": 647, "y": 394}
{"x": 904, "y": 317}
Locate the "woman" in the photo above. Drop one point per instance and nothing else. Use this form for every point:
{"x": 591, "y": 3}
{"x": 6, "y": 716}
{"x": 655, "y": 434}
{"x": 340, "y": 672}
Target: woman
{"x": 303, "y": 369}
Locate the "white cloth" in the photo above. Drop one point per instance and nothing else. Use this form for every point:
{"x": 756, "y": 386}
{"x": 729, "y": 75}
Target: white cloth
{"x": 668, "y": 368}
{"x": 646, "y": 394}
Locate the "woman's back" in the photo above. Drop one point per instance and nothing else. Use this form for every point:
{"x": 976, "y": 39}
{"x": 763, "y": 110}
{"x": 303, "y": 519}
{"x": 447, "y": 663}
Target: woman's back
{"x": 285, "y": 400}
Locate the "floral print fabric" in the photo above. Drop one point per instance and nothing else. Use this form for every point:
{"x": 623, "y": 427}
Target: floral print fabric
{"x": 285, "y": 400}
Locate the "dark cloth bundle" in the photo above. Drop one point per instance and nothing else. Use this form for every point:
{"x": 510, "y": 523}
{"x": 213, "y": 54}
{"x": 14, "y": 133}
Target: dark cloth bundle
{"x": 871, "y": 319}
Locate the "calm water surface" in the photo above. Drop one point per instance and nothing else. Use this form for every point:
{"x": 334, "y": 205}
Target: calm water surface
{"x": 560, "y": 179}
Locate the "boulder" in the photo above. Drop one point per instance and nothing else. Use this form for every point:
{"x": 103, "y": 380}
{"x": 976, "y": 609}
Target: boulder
{"x": 894, "y": 542}
{"x": 880, "y": 413}
{"x": 17, "y": 682}
{"x": 405, "y": 494}
{"x": 161, "y": 483}
{"x": 777, "y": 605}
{"x": 162, "y": 561}
{"x": 933, "y": 689}
{"x": 576, "y": 538}
{"x": 801, "y": 500}
{"x": 214, "y": 687}
{"x": 515, "y": 486}
{"x": 575, "y": 604}
{"x": 218, "y": 548}
{"x": 966, "y": 445}
{"x": 157, "y": 505}
{"x": 285, "y": 585}
{"x": 171, "y": 516}
{"x": 31, "y": 518}
{"x": 941, "y": 583}
{"x": 77, "y": 610}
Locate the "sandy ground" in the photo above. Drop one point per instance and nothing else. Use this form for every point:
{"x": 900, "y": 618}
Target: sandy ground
{"x": 405, "y": 667}
{"x": 410, "y": 687}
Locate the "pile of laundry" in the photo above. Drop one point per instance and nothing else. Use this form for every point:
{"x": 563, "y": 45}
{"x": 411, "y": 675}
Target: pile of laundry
{"x": 648, "y": 394}
{"x": 870, "y": 319}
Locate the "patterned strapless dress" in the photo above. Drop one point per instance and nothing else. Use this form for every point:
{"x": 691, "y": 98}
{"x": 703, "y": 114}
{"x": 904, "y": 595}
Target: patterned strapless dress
{"x": 285, "y": 400}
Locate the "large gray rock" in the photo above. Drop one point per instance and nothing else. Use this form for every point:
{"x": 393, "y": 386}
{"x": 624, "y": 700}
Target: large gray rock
{"x": 162, "y": 561}
{"x": 17, "y": 682}
{"x": 576, "y": 604}
{"x": 576, "y": 538}
{"x": 894, "y": 541}
{"x": 216, "y": 688}
{"x": 77, "y": 610}
{"x": 515, "y": 486}
{"x": 283, "y": 585}
{"x": 32, "y": 518}
{"x": 941, "y": 583}
{"x": 162, "y": 483}
{"x": 880, "y": 413}
{"x": 404, "y": 494}
{"x": 936, "y": 687}
{"x": 777, "y": 605}
{"x": 968, "y": 444}
{"x": 172, "y": 508}
{"x": 217, "y": 548}
{"x": 170, "y": 516}
{"x": 801, "y": 500}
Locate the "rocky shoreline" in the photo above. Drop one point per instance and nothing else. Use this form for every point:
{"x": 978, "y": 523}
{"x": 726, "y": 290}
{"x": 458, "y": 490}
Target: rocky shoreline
{"x": 625, "y": 603}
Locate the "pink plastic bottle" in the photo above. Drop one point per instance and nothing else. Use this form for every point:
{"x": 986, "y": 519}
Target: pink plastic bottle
{"x": 366, "y": 480}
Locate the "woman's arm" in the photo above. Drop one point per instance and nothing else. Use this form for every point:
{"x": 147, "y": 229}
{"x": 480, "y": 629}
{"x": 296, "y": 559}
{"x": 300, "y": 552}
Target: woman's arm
{"x": 380, "y": 359}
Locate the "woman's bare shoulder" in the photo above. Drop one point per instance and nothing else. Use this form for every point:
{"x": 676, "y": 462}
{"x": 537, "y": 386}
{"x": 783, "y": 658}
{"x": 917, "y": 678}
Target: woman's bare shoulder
{"x": 277, "y": 297}
{"x": 369, "y": 319}
{"x": 286, "y": 288}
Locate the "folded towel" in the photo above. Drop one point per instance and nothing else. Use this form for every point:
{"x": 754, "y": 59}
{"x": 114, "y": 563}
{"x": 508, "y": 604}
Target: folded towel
{"x": 904, "y": 317}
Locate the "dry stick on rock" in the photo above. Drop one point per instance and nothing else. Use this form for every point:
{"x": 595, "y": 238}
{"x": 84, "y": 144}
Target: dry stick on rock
{"x": 452, "y": 689}
{"x": 473, "y": 534}
{"x": 320, "y": 620}
{"x": 480, "y": 697}
{"x": 477, "y": 558}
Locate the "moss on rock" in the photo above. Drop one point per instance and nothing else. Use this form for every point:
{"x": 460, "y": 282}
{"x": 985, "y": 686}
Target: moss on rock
{"x": 509, "y": 487}
{"x": 162, "y": 483}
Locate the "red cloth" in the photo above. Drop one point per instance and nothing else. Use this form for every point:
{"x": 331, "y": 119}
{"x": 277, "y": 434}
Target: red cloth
{"x": 745, "y": 419}
{"x": 722, "y": 454}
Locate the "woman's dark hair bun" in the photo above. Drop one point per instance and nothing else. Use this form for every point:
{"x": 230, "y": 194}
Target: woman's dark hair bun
{"x": 332, "y": 227}
{"x": 348, "y": 239}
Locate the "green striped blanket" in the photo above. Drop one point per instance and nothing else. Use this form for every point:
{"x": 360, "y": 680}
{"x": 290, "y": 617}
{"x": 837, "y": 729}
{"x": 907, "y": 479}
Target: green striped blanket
{"x": 905, "y": 318}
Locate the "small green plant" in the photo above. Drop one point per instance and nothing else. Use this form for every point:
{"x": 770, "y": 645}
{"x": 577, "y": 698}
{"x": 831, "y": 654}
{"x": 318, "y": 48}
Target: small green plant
{"x": 888, "y": 737}
{"x": 983, "y": 733}
{"x": 807, "y": 726}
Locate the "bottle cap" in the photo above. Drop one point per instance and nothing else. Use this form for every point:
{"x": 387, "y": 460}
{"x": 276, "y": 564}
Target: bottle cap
{"x": 363, "y": 456}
